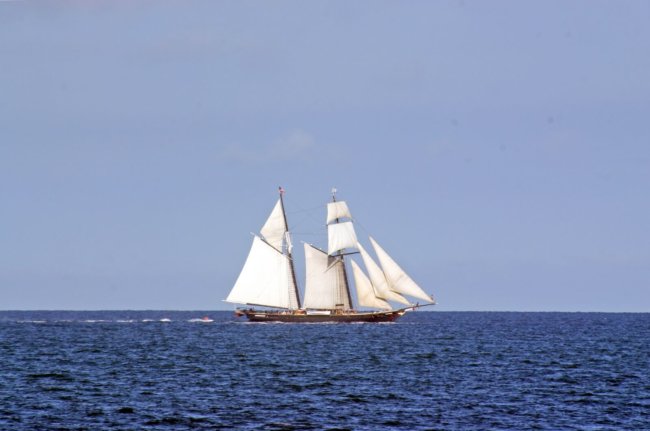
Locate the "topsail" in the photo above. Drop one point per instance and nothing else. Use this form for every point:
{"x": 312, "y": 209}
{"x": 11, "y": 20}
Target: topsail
{"x": 340, "y": 236}
{"x": 274, "y": 229}
{"x": 337, "y": 210}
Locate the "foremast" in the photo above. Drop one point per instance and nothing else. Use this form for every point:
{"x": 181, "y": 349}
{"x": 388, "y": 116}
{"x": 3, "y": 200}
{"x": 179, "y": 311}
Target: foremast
{"x": 345, "y": 289}
{"x": 387, "y": 281}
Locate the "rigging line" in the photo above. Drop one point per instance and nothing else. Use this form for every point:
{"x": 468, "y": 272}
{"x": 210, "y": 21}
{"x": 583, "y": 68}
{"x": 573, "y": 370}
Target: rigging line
{"x": 300, "y": 222}
{"x": 302, "y": 210}
{"x": 306, "y": 210}
{"x": 363, "y": 228}
{"x": 310, "y": 233}
{"x": 310, "y": 215}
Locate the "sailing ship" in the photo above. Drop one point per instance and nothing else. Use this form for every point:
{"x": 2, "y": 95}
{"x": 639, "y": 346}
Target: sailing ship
{"x": 268, "y": 278}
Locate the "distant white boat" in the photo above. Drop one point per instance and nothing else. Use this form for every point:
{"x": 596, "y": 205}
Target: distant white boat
{"x": 204, "y": 319}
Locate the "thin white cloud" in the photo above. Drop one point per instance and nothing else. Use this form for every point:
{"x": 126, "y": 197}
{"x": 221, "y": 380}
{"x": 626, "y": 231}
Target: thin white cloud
{"x": 294, "y": 145}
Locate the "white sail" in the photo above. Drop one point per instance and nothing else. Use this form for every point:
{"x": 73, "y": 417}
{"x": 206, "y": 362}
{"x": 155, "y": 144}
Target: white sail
{"x": 365, "y": 292}
{"x": 398, "y": 280}
{"x": 340, "y": 236}
{"x": 325, "y": 286}
{"x": 287, "y": 239}
{"x": 265, "y": 279}
{"x": 275, "y": 227}
{"x": 378, "y": 279}
{"x": 336, "y": 210}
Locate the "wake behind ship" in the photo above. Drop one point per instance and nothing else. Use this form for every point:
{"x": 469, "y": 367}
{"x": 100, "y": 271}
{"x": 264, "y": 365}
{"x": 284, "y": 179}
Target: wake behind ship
{"x": 268, "y": 278}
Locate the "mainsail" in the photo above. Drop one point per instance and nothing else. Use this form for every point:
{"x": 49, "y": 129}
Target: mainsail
{"x": 265, "y": 279}
{"x": 325, "y": 286}
{"x": 398, "y": 280}
{"x": 268, "y": 277}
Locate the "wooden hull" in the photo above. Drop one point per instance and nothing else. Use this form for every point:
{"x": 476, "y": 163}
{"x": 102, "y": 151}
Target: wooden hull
{"x": 301, "y": 317}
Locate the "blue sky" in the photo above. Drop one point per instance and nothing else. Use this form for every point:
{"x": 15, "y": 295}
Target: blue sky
{"x": 500, "y": 151}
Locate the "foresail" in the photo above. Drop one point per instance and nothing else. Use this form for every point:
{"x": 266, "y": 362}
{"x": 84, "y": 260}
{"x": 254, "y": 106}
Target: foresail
{"x": 340, "y": 236}
{"x": 265, "y": 279}
{"x": 365, "y": 292}
{"x": 336, "y": 210}
{"x": 378, "y": 279}
{"x": 398, "y": 280}
{"x": 275, "y": 227}
{"x": 325, "y": 286}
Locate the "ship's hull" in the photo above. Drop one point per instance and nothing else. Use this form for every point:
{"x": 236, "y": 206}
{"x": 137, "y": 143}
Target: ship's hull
{"x": 302, "y": 317}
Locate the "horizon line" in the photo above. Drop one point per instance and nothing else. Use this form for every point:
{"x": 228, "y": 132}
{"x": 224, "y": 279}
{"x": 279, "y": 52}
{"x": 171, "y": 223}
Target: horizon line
{"x": 221, "y": 310}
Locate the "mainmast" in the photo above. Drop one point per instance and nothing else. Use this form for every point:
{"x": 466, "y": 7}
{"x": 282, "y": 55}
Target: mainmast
{"x": 340, "y": 255}
{"x": 289, "y": 247}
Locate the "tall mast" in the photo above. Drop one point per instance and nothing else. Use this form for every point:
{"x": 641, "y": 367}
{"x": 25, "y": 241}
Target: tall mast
{"x": 286, "y": 227}
{"x": 340, "y": 255}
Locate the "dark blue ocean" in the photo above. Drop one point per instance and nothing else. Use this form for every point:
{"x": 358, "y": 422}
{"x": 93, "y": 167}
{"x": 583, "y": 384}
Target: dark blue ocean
{"x": 127, "y": 370}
